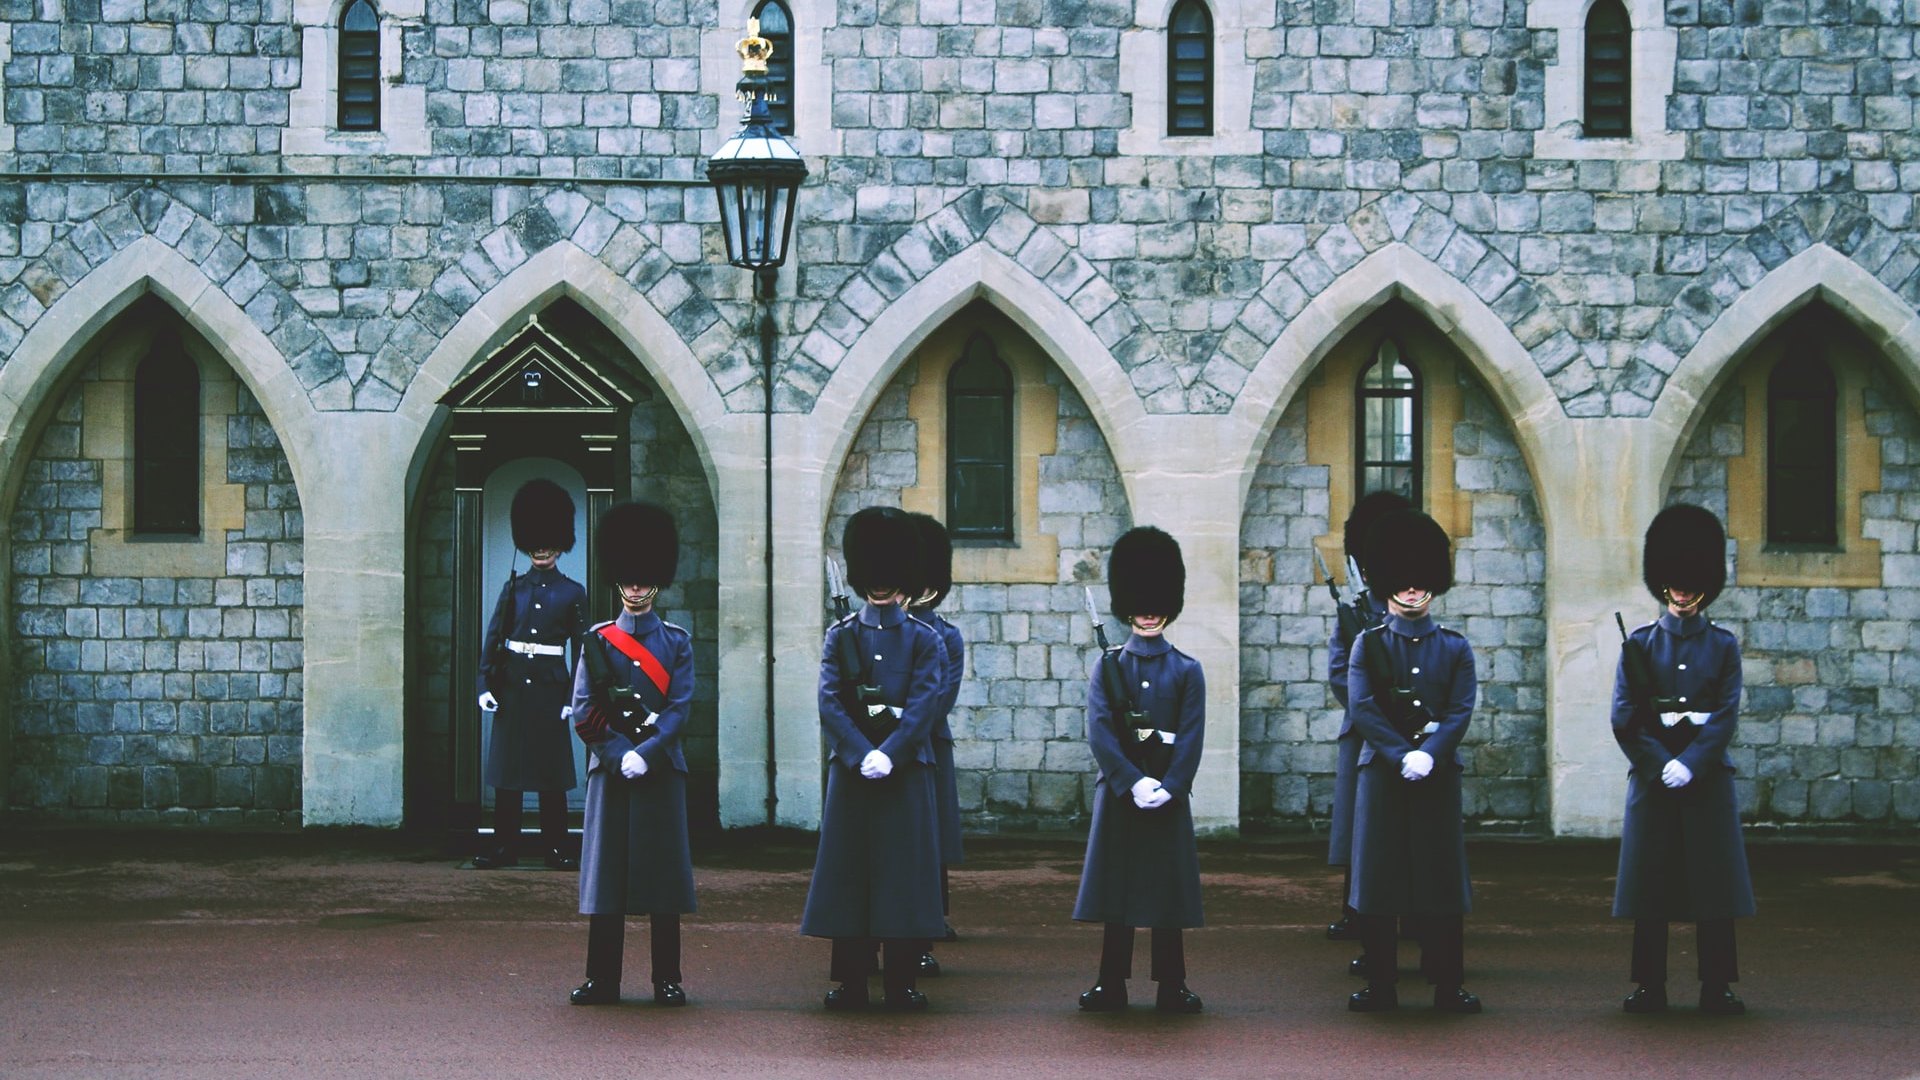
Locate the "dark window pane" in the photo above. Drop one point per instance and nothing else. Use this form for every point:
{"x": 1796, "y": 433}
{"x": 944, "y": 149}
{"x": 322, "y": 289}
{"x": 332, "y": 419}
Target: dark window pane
{"x": 980, "y": 445}
{"x": 1609, "y": 89}
{"x": 776, "y": 25}
{"x": 359, "y": 68}
{"x": 977, "y": 499}
{"x": 1387, "y": 426}
{"x": 1190, "y": 69}
{"x": 166, "y": 442}
{"x": 979, "y": 428}
{"x": 1803, "y": 474}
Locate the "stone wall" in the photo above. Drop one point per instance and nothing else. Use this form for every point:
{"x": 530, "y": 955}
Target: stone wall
{"x": 1289, "y": 719}
{"x": 155, "y": 699}
{"x": 1020, "y": 747}
{"x": 1828, "y": 734}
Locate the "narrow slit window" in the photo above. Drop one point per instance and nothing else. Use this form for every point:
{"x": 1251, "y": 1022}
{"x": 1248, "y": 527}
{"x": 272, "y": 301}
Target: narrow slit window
{"x": 776, "y": 25}
{"x": 980, "y": 445}
{"x": 1609, "y": 71}
{"x": 359, "y": 67}
{"x": 1388, "y": 455}
{"x": 166, "y": 443}
{"x": 1803, "y": 462}
{"x": 1190, "y": 69}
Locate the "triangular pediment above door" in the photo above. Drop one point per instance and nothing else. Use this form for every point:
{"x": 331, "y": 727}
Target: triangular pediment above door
{"x": 537, "y": 371}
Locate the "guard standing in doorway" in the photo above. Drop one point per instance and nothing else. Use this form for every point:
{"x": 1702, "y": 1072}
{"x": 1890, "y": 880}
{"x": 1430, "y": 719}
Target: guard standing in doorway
{"x": 936, "y": 548}
{"x": 1146, "y": 723}
{"x": 631, "y": 694}
{"x": 1411, "y": 691}
{"x": 1676, "y": 705}
{"x": 1356, "y": 615}
{"x": 524, "y": 683}
{"x": 882, "y": 674}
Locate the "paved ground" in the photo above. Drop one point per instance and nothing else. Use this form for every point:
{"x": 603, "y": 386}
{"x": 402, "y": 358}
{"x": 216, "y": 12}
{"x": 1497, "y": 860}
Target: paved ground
{"x": 171, "y": 955}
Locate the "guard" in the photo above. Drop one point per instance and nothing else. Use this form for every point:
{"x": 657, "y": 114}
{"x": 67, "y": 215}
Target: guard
{"x": 1358, "y": 615}
{"x": 523, "y": 680}
{"x": 631, "y": 693}
{"x": 937, "y": 581}
{"x": 876, "y": 875}
{"x": 1411, "y": 692}
{"x": 1146, "y": 723}
{"x": 1676, "y": 705}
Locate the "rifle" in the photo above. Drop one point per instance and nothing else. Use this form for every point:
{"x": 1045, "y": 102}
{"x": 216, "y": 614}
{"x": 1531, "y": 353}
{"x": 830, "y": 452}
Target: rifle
{"x": 1352, "y": 621}
{"x": 1412, "y": 719}
{"x": 1140, "y": 740}
{"x": 871, "y": 711}
{"x": 1647, "y": 704}
{"x": 622, "y": 702}
{"x": 837, "y": 586}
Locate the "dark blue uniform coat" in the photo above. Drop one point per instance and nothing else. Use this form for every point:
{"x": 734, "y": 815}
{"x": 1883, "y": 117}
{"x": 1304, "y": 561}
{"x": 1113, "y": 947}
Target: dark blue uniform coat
{"x": 1142, "y": 867}
{"x": 634, "y": 858}
{"x": 1346, "y": 762}
{"x": 945, "y": 783}
{"x": 877, "y": 871}
{"x": 1409, "y": 845}
{"x": 1681, "y": 855}
{"x": 531, "y": 748}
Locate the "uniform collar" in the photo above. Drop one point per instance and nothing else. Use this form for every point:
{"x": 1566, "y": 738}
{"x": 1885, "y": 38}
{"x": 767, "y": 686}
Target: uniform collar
{"x": 1689, "y": 626}
{"x": 637, "y": 624}
{"x": 542, "y": 577}
{"x": 885, "y": 616}
{"x": 1411, "y": 628}
{"x": 1148, "y": 646}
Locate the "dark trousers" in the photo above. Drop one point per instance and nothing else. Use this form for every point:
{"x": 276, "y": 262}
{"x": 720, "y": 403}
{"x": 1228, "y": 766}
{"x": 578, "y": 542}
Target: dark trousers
{"x": 1116, "y": 956}
{"x": 1718, "y": 961}
{"x": 507, "y": 814}
{"x": 607, "y": 948}
{"x": 1442, "y": 947}
{"x": 852, "y": 962}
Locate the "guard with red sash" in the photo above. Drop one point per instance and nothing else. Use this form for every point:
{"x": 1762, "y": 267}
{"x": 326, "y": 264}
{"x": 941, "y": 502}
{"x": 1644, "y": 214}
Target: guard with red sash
{"x": 937, "y": 549}
{"x": 524, "y": 683}
{"x": 630, "y": 697}
{"x": 1146, "y": 723}
{"x": 877, "y": 872}
{"x": 1411, "y": 688}
{"x": 1676, "y": 705}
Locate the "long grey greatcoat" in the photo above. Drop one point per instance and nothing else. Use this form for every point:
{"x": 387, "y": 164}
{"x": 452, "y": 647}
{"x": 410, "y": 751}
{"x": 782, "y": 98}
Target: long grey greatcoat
{"x": 1409, "y": 845}
{"x": 1681, "y": 854}
{"x": 531, "y": 748}
{"x": 1142, "y": 866}
{"x": 945, "y": 783}
{"x": 634, "y": 858}
{"x": 1346, "y": 762}
{"x": 877, "y": 871}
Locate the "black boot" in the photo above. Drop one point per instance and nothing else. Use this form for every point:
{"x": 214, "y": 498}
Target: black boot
{"x": 848, "y": 997}
{"x": 595, "y": 992}
{"x": 1176, "y": 998}
{"x": 928, "y": 965}
{"x": 1358, "y": 966}
{"x": 1646, "y": 999}
{"x": 669, "y": 994}
{"x": 905, "y": 1000}
{"x": 1104, "y": 998}
{"x": 1455, "y": 999}
{"x": 1374, "y": 999}
{"x": 1717, "y": 999}
{"x": 1344, "y": 930}
{"x": 560, "y": 860}
{"x": 495, "y": 858}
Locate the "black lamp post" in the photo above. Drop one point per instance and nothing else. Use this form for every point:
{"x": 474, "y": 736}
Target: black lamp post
{"x": 756, "y": 176}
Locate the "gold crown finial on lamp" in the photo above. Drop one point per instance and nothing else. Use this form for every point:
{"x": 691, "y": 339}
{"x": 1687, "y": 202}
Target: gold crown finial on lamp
{"x": 754, "y": 50}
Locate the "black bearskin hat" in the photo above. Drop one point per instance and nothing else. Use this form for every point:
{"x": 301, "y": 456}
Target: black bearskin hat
{"x": 1145, "y": 575}
{"x": 936, "y": 548}
{"x": 1372, "y": 506}
{"x": 637, "y": 544}
{"x": 542, "y": 517}
{"x": 882, "y": 547}
{"x": 1407, "y": 549}
{"x": 1685, "y": 547}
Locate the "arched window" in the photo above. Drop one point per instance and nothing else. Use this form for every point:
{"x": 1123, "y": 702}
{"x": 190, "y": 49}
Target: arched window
{"x": 166, "y": 442}
{"x": 776, "y": 25}
{"x": 1387, "y": 456}
{"x": 980, "y": 445}
{"x": 1190, "y": 69}
{"x": 359, "y": 67}
{"x": 1609, "y": 71}
{"x": 1803, "y": 465}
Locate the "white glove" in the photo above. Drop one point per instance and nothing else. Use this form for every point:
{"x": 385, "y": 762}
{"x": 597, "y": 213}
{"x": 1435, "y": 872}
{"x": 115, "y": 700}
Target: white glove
{"x": 1676, "y": 775}
{"x": 1416, "y": 765}
{"x": 632, "y": 765}
{"x": 1143, "y": 790}
{"x": 566, "y": 712}
{"x": 876, "y": 765}
{"x": 489, "y": 703}
{"x": 1160, "y": 797}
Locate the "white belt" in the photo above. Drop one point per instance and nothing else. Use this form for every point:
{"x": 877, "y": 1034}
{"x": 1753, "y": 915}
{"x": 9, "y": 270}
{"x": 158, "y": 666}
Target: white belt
{"x": 1432, "y": 727}
{"x": 527, "y": 648}
{"x": 876, "y": 710}
{"x": 1150, "y": 735}
{"x": 1675, "y": 719}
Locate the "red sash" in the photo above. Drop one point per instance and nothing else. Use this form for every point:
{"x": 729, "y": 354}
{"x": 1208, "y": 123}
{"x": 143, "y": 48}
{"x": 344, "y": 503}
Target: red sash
{"x": 636, "y": 652}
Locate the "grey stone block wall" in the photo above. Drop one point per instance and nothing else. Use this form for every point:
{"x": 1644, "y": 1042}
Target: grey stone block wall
{"x": 1020, "y": 748}
{"x": 161, "y": 699}
{"x": 666, "y": 469}
{"x": 1289, "y": 718}
{"x": 1828, "y": 734}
